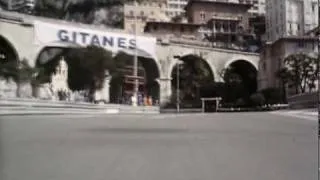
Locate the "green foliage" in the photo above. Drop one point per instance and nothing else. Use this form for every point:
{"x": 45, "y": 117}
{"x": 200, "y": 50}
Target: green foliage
{"x": 299, "y": 71}
{"x": 240, "y": 102}
{"x": 272, "y": 95}
{"x": 80, "y": 11}
{"x": 257, "y": 99}
{"x": 194, "y": 74}
{"x": 88, "y": 67}
{"x": 19, "y": 71}
{"x": 230, "y": 76}
{"x": 121, "y": 59}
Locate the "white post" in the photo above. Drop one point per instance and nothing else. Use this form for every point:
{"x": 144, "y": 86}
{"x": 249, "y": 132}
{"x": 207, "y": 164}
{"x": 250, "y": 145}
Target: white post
{"x": 203, "y": 105}
{"x": 217, "y": 104}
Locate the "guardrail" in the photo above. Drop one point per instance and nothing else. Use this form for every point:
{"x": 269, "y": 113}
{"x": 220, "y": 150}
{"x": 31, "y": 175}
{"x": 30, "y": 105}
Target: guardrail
{"x": 35, "y": 106}
{"x": 303, "y": 101}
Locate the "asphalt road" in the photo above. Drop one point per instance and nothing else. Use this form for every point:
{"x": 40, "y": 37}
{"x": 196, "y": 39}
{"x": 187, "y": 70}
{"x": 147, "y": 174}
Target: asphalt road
{"x": 248, "y": 146}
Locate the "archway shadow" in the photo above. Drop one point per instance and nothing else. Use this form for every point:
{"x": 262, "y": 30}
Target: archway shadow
{"x": 194, "y": 73}
{"x": 122, "y": 86}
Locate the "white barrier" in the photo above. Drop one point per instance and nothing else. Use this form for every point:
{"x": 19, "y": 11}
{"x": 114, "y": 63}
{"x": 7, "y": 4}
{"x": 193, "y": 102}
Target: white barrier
{"x": 34, "y": 106}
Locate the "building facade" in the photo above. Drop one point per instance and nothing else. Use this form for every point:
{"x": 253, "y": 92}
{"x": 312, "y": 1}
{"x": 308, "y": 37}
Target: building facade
{"x": 273, "y": 55}
{"x": 288, "y": 27}
{"x": 24, "y": 6}
{"x": 140, "y": 13}
{"x": 258, "y": 6}
{"x": 175, "y": 7}
{"x": 290, "y": 18}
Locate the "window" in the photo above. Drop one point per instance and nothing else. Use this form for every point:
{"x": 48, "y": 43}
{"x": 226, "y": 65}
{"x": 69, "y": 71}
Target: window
{"x": 313, "y": 7}
{"x": 141, "y": 13}
{"x": 131, "y": 13}
{"x": 152, "y": 13}
{"x": 181, "y": 29}
{"x": 202, "y": 16}
{"x": 300, "y": 44}
{"x": 290, "y": 27}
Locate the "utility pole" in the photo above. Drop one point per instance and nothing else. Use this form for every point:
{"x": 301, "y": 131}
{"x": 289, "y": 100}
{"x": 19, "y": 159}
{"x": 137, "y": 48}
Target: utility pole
{"x": 178, "y": 87}
{"x": 135, "y": 61}
{"x": 178, "y": 83}
{"x": 318, "y": 66}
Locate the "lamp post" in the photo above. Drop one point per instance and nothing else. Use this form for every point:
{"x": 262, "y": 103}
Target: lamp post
{"x": 318, "y": 66}
{"x": 178, "y": 83}
{"x": 135, "y": 61}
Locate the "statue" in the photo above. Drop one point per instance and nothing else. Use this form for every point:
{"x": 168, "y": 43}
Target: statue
{"x": 59, "y": 81}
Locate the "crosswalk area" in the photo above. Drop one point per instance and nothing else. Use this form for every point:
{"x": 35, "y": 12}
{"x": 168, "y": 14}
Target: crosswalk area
{"x": 308, "y": 114}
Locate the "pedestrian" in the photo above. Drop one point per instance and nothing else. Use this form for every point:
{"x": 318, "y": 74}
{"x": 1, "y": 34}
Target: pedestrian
{"x": 150, "y": 101}
{"x": 145, "y": 100}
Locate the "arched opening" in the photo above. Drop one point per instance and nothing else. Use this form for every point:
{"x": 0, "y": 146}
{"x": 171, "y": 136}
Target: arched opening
{"x": 193, "y": 73}
{"x": 122, "y": 82}
{"x": 247, "y": 72}
{"x": 122, "y": 88}
{"x": 7, "y": 51}
{"x": 8, "y": 64}
{"x": 47, "y": 62}
{"x": 240, "y": 79}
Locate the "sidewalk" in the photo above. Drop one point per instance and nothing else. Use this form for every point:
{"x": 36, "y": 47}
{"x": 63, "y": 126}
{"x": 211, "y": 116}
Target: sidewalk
{"x": 309, "y": 114}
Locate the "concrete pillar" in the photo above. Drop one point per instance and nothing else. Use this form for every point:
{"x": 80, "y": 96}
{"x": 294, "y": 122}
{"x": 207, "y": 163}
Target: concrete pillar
{"x": 165, "y": 90}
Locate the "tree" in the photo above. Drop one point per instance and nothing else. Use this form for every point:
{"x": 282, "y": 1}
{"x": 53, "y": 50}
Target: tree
{"x": 20, "y": 71}
{"x": 88, "y": 67}
{"x": 299, "y": 71}
{"x": 194, "y": 74}
{"x": 257, "y": 99}
{"x": 272, "y": 95}
{"x": 121, "y": 59}
{"x": 84, "y": 11}
{"x": 234, "y": 88}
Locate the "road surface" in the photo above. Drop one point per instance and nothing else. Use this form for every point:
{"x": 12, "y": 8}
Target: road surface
{"x": 240, "y": 146}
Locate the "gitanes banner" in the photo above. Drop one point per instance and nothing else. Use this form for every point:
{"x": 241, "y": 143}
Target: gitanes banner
{"x": 46, "y": 33}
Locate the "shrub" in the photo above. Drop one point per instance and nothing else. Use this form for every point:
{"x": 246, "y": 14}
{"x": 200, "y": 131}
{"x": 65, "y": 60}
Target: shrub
{"x": 272, "y": 95}
{"x": 257, "y": 99}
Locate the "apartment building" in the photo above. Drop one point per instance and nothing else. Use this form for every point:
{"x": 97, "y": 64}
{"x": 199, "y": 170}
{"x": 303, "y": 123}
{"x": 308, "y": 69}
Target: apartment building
{"x": 140, "y": 13}
{"x": 258, "y": 6}
{"x": 290, "y": 18}
{"x": 288, "y": 27}
{"x": 175, "y": 7}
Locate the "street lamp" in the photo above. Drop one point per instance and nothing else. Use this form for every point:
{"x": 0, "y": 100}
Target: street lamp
{"x": 135, "y": 61}
{"x": 178, "y": 82}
